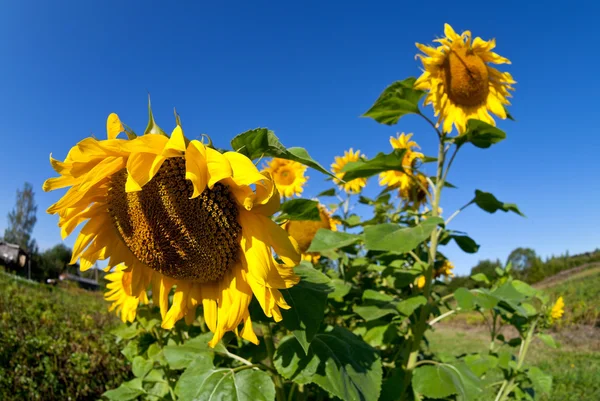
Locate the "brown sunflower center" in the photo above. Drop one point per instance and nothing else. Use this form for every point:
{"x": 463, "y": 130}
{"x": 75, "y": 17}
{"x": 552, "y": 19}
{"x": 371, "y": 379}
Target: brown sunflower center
{"x": 286, "y": 177}
{"x": 194, "y": 239}
{"x": 466, "y": 78}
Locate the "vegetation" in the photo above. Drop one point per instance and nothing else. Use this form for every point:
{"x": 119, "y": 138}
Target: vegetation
{"x": 22, "y": 219}
{"x": 54, "y": 343}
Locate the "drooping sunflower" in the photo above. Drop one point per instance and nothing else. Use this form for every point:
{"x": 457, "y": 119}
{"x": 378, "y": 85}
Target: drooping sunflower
{"x": 445, "y": 269}
{"x": 460, "y": 82}
{"x": 120, "y": 294}
{"x": 402, "y": 179}
{"x": 417, "y": 191}
{"x": 179, "y": 215}
{"x": 354, "y": 186}
{"x": 304, "y": 231}
{"x": 288, "y": 176}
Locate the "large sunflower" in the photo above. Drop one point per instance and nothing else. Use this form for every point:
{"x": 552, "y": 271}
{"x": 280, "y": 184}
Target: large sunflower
{"x": 402, "y": 179}
{"x": 304, "y": 231}
{"x": 179, "y": 215}
{"x": 288, "y": 176}
{"x": 460, "y": 82}
{"x": 120, "y": 294}
{"x": 353, "y": 186}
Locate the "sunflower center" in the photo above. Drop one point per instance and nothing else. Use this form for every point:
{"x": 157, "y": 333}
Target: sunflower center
{"x": 195, "y": 239}
{"x": 466, "y": 78}
{"x": 287, "y": 177}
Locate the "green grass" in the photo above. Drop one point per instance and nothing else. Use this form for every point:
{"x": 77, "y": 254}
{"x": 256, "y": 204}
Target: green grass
{"x": 575, "y": 366}
{"x": 54, "y": 343}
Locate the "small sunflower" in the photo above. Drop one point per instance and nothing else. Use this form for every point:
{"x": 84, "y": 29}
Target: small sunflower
{"x": 402, "y": 179}
{"x": 288, "y": 176}
{"x": 415, "y": 194}
{"x": 179, "y": 215}
{"x": 421, "y": 282}
{"x": 445, "y": 269}
{"x": 120, "y": 295}
{"x": 353, "y": 186}
{"x": 558, "y": 309}
{"x": 304, "y": 231}
{"x": 460, "y": 82}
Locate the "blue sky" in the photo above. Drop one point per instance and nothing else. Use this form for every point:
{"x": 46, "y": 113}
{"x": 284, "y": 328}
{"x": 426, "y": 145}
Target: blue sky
{"x": 308, "y": 70}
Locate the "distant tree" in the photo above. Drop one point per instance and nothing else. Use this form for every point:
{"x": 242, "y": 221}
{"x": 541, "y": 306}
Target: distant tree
{"x": 53, "y": 261}
{"x": 22, "y": 219}
{"x": 522, "y": 259}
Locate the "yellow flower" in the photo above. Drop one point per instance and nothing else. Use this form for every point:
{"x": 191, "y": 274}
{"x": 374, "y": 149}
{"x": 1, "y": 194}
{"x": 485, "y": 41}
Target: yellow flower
{"x": 402, "y": 179}
{"x": 353, "y": 186}
{"x": 120, "y": 294}
{"x": 460, "y": 82}
{"x": 179, "y": 215}
{"x": 558, "y": 309}
{"x": 445, "y": 269}
{"x": 416, "y": 192}
{"x": 421, "y": 282}
{"x": 304, "y": 231}
{"x": 288, "y": 176}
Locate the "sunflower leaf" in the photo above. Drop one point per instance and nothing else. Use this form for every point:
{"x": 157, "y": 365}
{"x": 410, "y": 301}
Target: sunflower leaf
{"x": 337, "y": 361}
{"x": 261, "y": 142}
{"x": 480, "y": 134}
{"x": 382, "y": 162}
{"x": 307, "y": 299}
{"x": 300, "y": 209}
{"x": 397, "y": 100}
{"x": 327, "y": 240}
{"x": 127, "y": 391}
{"x": 490, "y": 204}
{"x": 224, "y": 384}
{"x": 394, "y": 238}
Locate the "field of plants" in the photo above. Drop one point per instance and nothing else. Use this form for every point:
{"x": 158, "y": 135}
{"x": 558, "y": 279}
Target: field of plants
{"x": 55, "y": 343}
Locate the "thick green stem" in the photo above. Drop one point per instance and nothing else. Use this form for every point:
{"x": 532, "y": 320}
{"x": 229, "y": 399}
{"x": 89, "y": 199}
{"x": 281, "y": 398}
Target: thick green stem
{"x": 421, "y": 325}
{"x": 268, "y": 337}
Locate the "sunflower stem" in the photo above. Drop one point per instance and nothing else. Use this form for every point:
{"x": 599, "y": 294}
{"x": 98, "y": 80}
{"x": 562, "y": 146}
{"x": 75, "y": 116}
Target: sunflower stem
{"x": 268, "y": 337}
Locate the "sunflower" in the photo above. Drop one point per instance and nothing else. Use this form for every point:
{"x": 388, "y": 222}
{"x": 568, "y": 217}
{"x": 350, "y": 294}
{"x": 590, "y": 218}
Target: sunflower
{"x": 304, "y": 231}
{"x": 288, "y": 176}
{"x": 402, "y": 179}
{"x": 420, "y": 282}
{"x": 353, "y": 186}
{"x": 558, "y": 309}
{"x": 445, "y": 269}
{"x": 416, "y": 192}
{"x": 120, "y": 294}
{"x": 460, "y": 82}
{"x": 179, "y": 215}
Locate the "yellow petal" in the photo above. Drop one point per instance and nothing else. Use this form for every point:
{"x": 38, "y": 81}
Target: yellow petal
{"x": 141, "y": 168}
{"x": 195, "y": 167}
{"x": 175, "y": 145}
{"x": 218, "y": 167}
{"x": 113, "y": 126}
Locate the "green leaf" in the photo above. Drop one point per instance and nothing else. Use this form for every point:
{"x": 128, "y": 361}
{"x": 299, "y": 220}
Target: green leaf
{"x": 541, "y": 381}
{"x": 490, "y": 204}
{"x": 365, "y": 168}
{"x": 484, "y": 299}
{"x": 300, "y": 209}
{"x": 480, "y": 134}
{"x": 262, "y": 142}
{"x": 141, "y": 367}
{"x": 195, "y": 350}
{"x": 337, "y": 361}
{"x": 434, "y": 381}
{"x": 465, "y": 299}
{"x": 480, "y": 278}
{"x": 408, "y": 306}
{"x": 225, "y": 384}
{"x": 131, "y": 350}
{"x": 467, "y": 244}
{"x": 352, "y": 221}
{"x": 327, "y": 240}
{"x": 327, "y": 192}
{"x": 524, "y": 288}
{"x": 393, "y": 238}
{"x": 341, "y": 288}
{"x": 127, "y": 391}
{"x": 374, "y": 312}
{"x": 308, "y": 300}
{"x": 395, "y": 101}
{"x": 480, "y": 364}
{"x": 125, "y": 331}
{"x": 381, "y": 335}
{"x": 155, "y": 376}
{"x": 548, "y": 340}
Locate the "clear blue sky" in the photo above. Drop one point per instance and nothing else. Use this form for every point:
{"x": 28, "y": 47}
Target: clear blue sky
{"x": 307, "y": 70}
